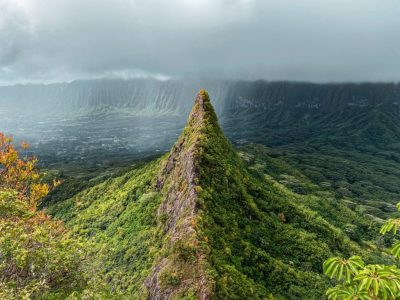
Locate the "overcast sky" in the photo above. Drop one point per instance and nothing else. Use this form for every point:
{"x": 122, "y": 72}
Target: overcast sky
{"x": 307, "y": 40}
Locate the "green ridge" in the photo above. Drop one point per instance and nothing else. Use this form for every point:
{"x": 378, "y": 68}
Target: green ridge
{"x": 199, "y": 223}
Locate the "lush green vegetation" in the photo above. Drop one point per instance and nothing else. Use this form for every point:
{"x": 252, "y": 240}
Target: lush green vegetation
{"x": 265, "y": 219}
{"x": 118, "y": 220}
{"x": 204, "y": 219}
{"x": 359, "y": 281}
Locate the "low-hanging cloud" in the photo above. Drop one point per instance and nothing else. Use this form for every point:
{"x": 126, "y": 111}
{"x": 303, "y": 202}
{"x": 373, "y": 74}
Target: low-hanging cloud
{"x": 313, "y": 40}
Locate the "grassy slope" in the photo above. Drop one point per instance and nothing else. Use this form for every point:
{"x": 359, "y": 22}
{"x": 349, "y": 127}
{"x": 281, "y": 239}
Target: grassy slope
{"x": 261, "y": 235}
{"x": 117, "y": 218}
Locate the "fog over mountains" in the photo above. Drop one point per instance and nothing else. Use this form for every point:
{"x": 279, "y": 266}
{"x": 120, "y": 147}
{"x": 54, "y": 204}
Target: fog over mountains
{"x": 84, "y": 119}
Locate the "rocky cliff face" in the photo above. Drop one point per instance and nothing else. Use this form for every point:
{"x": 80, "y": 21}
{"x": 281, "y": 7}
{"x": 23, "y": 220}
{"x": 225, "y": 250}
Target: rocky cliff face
{"x": 171, "y": 96}
{"x": 84, "y": 97}
{"x": 182, "y": 257}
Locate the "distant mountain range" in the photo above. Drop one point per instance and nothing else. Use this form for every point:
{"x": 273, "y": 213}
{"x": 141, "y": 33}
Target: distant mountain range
{"x": 98, "y": 119}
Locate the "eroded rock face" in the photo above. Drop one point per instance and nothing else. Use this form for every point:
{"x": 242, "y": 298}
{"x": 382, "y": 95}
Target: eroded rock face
{"x": 181, "y": 268}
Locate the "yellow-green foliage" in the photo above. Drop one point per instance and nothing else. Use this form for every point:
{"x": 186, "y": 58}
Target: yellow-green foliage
{"x": 263, "y": 235}
{"x": 37, "y": 261}
{"x": 118, "y": 220}
{"x": 359, "y": 281}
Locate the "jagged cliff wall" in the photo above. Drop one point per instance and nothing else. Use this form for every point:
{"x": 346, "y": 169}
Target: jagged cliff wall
{"x": 171, "y": 96}
{"x": 144, "y": 115}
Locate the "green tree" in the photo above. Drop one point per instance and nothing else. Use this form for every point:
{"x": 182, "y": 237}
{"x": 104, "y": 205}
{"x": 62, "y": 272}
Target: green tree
{"x": 357, "y": 281}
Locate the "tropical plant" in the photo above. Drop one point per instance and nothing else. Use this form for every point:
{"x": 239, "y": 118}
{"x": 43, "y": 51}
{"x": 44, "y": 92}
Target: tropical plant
{"x": 340, "y": 268}
{"x": 358, "y": 281}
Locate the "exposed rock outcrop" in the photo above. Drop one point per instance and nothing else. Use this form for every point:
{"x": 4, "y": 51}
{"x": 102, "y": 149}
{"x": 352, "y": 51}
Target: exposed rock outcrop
{"x": 181, "y": 269}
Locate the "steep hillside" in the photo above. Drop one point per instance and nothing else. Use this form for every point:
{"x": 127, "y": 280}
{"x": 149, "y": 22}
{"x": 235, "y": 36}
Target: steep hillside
{"x": 171, "y": 96}
{"x": 282, "y": 113}
{"x": 202, "y": 223}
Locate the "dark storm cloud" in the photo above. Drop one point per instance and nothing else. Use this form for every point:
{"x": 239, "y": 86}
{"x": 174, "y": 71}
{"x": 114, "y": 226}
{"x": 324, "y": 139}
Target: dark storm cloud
{"x": 330, "y": 40}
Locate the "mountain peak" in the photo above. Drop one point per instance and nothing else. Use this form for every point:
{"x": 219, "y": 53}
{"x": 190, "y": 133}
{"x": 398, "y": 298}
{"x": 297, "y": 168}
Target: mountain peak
{"x": 202, "y": 114}
{"x": 202, "y": 105}
{"x": 202, "y": 98}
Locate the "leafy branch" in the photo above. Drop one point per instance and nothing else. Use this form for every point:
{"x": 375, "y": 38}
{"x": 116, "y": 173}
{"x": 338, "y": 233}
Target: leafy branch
{"x": 357, "y": 281}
